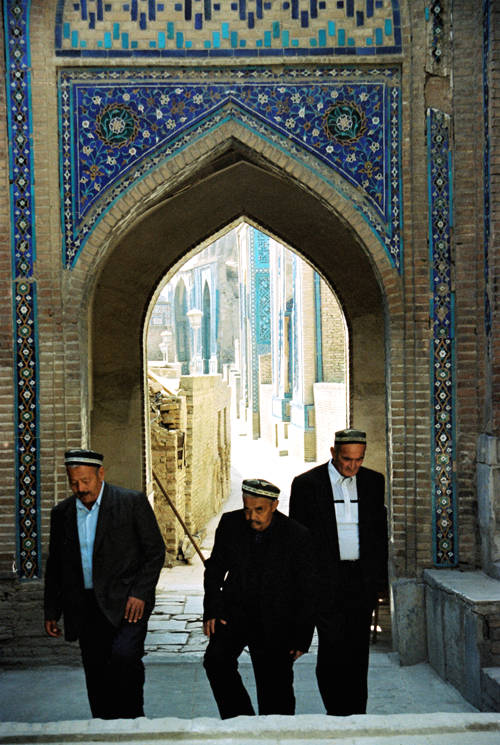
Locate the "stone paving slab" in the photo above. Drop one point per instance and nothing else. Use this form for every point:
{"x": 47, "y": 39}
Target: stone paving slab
{"x": 403, "y": 729}
{"x": 161, "y": 638}
{"x": 160, "y": 623}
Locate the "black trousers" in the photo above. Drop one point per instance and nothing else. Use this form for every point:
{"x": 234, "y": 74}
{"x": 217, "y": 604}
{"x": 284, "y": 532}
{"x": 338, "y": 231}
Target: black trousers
{"x": 343, "y": 645}
{"x": 272, "y": 666}
{"x": 112, "y": 660}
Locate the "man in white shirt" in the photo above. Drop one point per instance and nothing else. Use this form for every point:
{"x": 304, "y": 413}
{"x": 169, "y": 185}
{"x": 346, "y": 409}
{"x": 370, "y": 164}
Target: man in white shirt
{"x": 342, "y": 504}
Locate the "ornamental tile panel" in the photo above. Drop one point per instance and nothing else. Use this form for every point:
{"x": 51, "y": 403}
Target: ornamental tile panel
{"x": 116, "y": 125}
{"x": 443, "y": 343}
{"x": 25, "y": 364}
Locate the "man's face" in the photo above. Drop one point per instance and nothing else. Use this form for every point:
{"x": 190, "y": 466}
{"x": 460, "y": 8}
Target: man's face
{"x": 348, "y": 458}
{"x": 85, "y": 482}
{"x": 259, "y": 511}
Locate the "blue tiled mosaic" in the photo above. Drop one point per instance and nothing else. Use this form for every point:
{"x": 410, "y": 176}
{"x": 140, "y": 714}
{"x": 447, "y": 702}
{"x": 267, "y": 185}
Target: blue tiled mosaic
{"x": 259, "y": 302}
{"x": 435, "y": 12}
{"x": 118, "y": 124}
{"x": 443, "y": 344}
{"x": 91, "y": 28}
{"x": 21, "y": 172}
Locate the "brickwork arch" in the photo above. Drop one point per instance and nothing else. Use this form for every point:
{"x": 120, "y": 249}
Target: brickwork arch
{"x": 230, "y": 175}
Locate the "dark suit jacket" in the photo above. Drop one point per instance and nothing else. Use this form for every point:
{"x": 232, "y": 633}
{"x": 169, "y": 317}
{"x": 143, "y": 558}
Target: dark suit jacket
{"x": 311, "y": 503}
{"x": 127, "y": 559}
{"x": 288, "y": 586}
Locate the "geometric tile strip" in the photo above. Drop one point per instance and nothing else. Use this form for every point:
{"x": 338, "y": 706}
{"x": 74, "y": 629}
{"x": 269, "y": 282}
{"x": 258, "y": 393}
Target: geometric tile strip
{"x": 226, "y": 28}
{"x": 16, "y": 16}
{"x": 435, "y": 12}
{"x": 445, "y": 532}
{"x": 342, "y": 123}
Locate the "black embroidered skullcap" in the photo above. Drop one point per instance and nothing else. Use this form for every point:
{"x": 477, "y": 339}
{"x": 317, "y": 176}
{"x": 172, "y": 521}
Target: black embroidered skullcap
{"x": 81, "y": 457}
{"x": 350, "y": 437}
{"x": 260, "y": 488}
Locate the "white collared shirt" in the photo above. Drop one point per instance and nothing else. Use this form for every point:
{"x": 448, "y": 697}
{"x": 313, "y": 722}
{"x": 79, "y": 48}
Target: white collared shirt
{"x": 87, "y": 525}
{"x": 345, "y": 497}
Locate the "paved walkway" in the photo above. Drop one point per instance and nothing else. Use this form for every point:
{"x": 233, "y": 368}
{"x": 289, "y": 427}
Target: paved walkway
{"x": 176, "y": 685}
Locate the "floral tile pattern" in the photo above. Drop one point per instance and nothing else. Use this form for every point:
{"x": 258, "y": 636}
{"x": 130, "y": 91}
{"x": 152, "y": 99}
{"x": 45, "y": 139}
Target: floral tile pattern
{"x": 117, "y": 125}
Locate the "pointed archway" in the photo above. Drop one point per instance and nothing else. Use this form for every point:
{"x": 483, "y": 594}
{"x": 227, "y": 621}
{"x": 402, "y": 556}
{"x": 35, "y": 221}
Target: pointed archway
{"x": 233, "y": 187}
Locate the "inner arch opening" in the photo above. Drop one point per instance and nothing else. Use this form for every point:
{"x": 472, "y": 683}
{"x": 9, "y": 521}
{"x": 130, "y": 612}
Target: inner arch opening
{"x": 268, "y": 352}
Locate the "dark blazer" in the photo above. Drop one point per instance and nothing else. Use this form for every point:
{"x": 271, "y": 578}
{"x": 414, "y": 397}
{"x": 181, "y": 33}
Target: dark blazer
{"x": 127, "y": 559}
{"x": 288, "y": 589}
{"x": 311, "y": 503}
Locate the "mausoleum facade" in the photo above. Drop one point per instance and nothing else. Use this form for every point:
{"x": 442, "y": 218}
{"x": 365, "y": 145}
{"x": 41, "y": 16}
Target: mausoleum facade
{"x": 359, "y": 133}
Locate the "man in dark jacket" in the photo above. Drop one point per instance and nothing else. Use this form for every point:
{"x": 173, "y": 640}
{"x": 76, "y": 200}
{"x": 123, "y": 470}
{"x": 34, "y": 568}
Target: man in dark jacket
{"x": 259, "y": 592}
{"x": 342, "y": 504}
{"x": 105, "y": 556}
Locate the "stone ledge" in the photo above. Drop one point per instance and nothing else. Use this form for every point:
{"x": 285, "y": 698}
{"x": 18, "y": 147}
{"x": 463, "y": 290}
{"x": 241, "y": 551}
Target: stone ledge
{"x": 398, "y": 729}
{"x": 490, "y": 684}
{"x": 474, "y": 588}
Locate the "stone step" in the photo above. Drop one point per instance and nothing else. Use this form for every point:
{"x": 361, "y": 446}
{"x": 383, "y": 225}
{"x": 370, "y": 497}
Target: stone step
{"x": 398, "y": 729}
{"x": 490, "y": 688}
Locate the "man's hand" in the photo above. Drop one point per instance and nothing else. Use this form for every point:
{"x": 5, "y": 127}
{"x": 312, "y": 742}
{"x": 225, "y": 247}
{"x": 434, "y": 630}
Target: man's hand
{"x": 52, "y": 628}
{"x": 295, "y": 654}
{"x": 134, "y": 610}
{"x": 209, "y": 626}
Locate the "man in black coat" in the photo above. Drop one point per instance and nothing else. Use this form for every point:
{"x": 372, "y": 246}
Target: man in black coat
{"x": 105, "y": 556}
{"x": 260, "y": 593}
{"x": 342, "y": 504}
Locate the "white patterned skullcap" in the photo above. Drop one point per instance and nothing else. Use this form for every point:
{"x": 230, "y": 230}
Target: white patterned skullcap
{"x": 260, "y": 488}
{"x": 81, "y": 457}
{"x": 350, "y": 437}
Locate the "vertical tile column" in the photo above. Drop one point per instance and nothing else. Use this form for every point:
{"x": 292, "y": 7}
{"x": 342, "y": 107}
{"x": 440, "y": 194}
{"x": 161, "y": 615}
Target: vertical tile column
{"x": 445, "y": 549}
{"x": 26, "y": 415}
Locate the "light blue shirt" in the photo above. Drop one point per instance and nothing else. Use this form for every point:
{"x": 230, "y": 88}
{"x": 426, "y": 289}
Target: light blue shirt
{"x": 87, "y": 525}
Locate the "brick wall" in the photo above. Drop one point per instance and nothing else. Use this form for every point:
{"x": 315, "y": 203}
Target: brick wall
{"x": 333, "y": 335}
{"x": 469, "y": 275}
{"x": 207, "y": 447}
{"x": 493, "y": 404}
